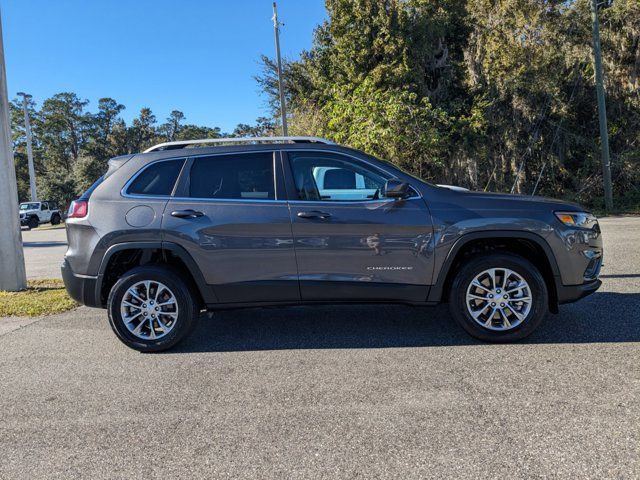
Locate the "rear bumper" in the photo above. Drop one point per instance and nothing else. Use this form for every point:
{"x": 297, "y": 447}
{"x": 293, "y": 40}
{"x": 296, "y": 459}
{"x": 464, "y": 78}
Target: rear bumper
{"x": 82, "y": 288}
{"x": 573, "y": 293}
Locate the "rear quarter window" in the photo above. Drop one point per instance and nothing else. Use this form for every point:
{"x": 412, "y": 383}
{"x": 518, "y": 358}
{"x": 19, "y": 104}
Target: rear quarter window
{"x": 157, "y": 179}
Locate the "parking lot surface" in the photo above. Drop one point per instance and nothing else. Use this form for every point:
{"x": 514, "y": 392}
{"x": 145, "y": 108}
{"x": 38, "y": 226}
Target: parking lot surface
{"x": 43, "y": 251}
{"x": 333, "y": 392}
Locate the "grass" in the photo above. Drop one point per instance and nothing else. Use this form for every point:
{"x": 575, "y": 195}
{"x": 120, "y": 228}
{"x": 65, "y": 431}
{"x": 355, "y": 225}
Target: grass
{"x": 42, "y": 297}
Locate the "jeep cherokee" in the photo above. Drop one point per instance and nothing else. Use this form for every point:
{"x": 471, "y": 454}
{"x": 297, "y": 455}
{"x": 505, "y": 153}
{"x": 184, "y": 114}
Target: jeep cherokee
{"x": 176, "y": 230}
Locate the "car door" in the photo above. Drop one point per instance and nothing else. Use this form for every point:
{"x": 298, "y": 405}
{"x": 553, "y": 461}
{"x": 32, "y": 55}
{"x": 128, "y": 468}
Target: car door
{"x": 351, "y": 242}
{"x": 45, "y": 214}
{"x": 230, "y": 213}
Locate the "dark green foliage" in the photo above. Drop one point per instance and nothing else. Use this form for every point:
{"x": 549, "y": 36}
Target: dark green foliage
{"x": 483, "y": 94}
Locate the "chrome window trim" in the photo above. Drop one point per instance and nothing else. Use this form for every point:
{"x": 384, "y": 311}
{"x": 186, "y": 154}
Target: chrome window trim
{"x": 227, "y": 200}
{"x": 376, "y": 167}
{"x": 125, "y": 194}
{"x": 277, "y": 200}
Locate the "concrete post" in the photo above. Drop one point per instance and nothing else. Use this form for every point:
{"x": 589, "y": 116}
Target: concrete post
{"x": 12, "y": 272}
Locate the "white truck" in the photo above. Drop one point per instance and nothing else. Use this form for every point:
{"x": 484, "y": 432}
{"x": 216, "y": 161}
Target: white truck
{"x": 33, "y": 214}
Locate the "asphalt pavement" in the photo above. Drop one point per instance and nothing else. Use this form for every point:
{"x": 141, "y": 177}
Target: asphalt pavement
{"x": 333, "y": 392}
{"x": 43, "y": 251}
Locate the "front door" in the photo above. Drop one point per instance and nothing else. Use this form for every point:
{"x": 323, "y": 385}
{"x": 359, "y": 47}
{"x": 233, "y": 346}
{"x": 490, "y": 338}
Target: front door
{"x": 230, "y": 214}
{"x": 351, "y": 242}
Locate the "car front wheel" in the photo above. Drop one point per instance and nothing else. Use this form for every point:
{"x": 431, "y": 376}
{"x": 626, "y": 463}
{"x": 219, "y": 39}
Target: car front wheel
{"x": 500, "y": 297}
{"x": 151, "y": 309}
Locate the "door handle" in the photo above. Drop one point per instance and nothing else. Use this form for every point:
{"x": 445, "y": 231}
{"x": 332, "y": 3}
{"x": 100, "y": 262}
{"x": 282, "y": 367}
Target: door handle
{"x": 314, "y": 214}
{"x": 186, "y": 213}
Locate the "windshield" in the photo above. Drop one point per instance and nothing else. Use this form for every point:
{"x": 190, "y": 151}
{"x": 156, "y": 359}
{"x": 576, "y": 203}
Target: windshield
{"x": 29, "y": 206}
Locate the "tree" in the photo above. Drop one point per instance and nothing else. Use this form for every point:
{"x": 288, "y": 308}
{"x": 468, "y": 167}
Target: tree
{"x": 172, "y": 127}
{"x": 264, "y": 127}
{"x": 142, "y": 134}
{"x": 100, "y": 129}
{"x": 63, "y": 124}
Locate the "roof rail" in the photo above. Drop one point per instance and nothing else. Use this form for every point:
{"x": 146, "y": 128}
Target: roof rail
{"x": 185, "y": 143}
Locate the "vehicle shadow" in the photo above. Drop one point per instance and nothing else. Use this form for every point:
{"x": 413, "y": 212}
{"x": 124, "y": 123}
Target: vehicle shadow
{"x": 602, "y": 317}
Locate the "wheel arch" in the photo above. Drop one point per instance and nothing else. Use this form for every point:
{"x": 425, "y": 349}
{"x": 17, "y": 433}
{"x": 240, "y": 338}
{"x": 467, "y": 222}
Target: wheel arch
{"x": 150, "y": 253}
{"x": 513, "y": 241}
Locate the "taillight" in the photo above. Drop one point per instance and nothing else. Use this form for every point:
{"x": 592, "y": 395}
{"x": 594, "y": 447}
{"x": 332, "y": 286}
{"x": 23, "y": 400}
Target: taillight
{"x": 78, "y": 209}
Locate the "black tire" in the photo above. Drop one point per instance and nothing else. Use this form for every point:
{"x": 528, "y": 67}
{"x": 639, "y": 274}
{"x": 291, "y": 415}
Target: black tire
{"x": 55, "y": 219}
{"x": 188, "y": 308}
{"x": 33, "y": 222}
{"x": 475, "y": 266}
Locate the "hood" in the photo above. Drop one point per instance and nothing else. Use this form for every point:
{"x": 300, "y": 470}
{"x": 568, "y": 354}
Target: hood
{"x": 507, "y": 200}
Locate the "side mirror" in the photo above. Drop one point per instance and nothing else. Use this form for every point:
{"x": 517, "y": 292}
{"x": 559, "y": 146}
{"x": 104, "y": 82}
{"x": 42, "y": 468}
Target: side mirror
{"x": 395, "y": 188}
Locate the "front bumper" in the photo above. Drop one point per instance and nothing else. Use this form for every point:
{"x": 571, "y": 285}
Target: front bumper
{"x": 82, "y": 288}
{"x": 573, "y": 293}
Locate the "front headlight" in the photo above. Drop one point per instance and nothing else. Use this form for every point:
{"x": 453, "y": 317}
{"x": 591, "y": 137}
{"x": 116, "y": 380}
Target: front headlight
{"x": 577, "y": 219}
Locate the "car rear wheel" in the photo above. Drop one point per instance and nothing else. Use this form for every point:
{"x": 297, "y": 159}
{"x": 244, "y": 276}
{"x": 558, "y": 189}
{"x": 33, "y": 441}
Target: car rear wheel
{"x": 151, "y": 309}
{"x": 499, "y": 297}
{"x": 55, "y": 219}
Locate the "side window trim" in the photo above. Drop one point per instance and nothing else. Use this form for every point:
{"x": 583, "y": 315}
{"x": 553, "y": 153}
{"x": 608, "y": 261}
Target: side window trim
{"x": 125, "y": 190}
{"x": 181, "y": 192}
{"x": 292, "y": 192}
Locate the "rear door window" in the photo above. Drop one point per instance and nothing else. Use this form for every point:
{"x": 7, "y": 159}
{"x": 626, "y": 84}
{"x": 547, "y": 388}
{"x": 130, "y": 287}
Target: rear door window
{"x": 245, "y": 176}
{"x": 157, "y": 179}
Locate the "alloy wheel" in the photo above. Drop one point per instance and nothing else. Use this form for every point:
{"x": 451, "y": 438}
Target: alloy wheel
{"x": 149, "y": 310}
{"x": 499, "y": 299}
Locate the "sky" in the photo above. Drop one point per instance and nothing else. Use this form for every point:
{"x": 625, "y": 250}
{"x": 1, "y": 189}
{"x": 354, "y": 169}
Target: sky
{"x": 198, "y": 57}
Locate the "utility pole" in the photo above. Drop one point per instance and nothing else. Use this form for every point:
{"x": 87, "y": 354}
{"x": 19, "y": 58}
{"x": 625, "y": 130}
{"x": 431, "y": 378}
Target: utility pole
{"x": 283, "y": 106}
{"x": 12, "y": 272}
{"x": 27, "y": 126}
{"x": 602, "y": 108}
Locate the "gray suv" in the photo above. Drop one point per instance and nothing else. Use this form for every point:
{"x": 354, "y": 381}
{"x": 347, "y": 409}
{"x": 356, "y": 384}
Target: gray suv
{"x": 168, "y": 233}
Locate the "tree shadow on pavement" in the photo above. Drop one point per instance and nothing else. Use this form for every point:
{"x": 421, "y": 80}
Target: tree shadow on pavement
{"x": 602, "y": 317}
{"x": 53, "y": 243}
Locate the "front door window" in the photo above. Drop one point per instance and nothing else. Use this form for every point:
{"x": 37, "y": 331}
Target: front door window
{"x": 322, "y": 177}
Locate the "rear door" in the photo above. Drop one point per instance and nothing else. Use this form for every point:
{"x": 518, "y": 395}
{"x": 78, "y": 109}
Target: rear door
{"x": 231, "y": 215}
{"x": 351, "y": 242}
